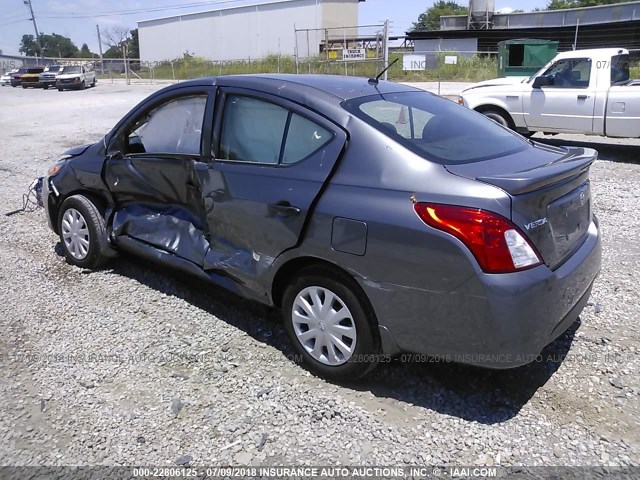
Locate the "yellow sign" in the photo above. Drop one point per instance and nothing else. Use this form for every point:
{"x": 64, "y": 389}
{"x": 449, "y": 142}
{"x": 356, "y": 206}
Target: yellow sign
{"x": 333, "y": 54}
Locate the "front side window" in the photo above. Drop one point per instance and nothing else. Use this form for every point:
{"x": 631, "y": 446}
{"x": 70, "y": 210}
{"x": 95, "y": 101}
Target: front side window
{"x": 258, "y": 131}
{"x": 435, "y": 128}
{"x": 570, "y": 73}
{"x": 173, "y": 127}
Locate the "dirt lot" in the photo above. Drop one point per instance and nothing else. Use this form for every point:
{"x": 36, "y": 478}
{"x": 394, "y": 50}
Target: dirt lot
{"x": 135, "y": 365}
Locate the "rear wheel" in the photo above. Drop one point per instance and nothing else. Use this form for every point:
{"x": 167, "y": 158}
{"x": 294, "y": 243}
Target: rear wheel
{"x": 82, "y": 232}
{"x": 60, "y": 89}
{"x": 331, "y": 324}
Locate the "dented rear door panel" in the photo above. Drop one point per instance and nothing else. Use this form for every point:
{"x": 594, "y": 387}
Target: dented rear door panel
{"x": 255, "y": 212}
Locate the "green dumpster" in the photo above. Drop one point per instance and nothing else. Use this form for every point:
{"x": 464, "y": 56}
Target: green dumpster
{"x": 524, "y": 57}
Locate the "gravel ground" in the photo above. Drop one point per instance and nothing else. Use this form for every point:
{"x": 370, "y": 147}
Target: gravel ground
{"x": 134, "y": 365}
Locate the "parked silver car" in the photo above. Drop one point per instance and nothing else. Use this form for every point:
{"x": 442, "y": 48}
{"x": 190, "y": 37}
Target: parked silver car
{"x": 379, "y": 218}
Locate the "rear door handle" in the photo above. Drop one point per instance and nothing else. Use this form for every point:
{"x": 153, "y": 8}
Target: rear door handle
{"x": 583, "y": 97}
{"x": 285, "y": 209}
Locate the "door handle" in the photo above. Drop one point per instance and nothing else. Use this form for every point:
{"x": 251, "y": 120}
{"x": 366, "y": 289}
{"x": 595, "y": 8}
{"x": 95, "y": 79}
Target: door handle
{"x": 285, "y": 209}
{"x": 583, "y": 97}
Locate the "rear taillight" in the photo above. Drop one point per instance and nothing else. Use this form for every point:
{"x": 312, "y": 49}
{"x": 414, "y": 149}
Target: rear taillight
{"x": 497, "y": 244}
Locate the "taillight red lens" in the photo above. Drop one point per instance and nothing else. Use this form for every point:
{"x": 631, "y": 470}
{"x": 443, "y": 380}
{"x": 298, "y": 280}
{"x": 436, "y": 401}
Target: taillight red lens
{"x": 483, "y": 233}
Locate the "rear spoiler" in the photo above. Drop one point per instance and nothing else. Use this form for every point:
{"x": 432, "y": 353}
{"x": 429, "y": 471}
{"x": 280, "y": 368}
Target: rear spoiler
{"x": 571, "y": 166}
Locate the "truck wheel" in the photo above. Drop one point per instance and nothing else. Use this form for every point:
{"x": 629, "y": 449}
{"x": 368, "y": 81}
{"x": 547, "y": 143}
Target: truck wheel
{"x": 46, "y": 87}
{"x": 331, "y": 324}
{"x": 82, "y": 232}
{"x": 497, "y": 117}
{"x": 83, "y": 85}
{"x": 24, "y": 86}
{"x": 60, "y": 89}
{"x": 93, "y": 84}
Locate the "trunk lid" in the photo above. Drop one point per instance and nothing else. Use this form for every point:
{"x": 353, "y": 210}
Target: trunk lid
{"x": 550, "y": 195}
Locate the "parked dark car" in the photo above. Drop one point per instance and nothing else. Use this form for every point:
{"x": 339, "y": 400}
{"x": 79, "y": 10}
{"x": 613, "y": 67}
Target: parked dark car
{"x": 16, "y": 77}
{"x": 379, "y": 218}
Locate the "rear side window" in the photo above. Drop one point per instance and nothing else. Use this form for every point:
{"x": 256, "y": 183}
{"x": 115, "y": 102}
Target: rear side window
{"x": 259, "y": 131}
{"x": 436, "y": 128}
{"x": 252, "y": 130}
{"x": 303, "y": 138}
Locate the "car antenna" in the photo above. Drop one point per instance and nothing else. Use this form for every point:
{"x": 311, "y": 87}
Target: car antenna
{"x": 376, "y": 80}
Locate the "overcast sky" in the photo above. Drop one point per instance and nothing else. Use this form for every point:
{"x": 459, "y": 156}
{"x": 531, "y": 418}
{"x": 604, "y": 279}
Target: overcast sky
{"x": 77, "y": 19}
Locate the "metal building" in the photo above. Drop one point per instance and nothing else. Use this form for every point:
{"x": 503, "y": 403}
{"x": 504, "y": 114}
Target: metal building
{"x": 589, "y": 27}
{"x": 246, "y": 32}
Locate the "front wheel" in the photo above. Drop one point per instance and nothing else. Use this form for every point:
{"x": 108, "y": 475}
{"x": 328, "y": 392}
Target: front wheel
{"x": 82, "y": 232}
{"x": 497, "y": 117}
{"x": 83, "y": 85}
{"x": 331, "y": 325}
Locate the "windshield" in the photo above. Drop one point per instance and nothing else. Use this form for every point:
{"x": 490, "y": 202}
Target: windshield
{"x": 53, "y": 68}
{"x": 71, "y": 70}
{"x": 435, "y": 128}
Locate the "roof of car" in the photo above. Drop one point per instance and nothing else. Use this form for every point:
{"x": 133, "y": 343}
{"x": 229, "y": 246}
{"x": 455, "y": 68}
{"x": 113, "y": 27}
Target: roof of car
{"x": 342, "y": 87}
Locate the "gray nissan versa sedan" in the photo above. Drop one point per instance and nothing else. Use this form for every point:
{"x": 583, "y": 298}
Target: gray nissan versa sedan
{"x": 378, "y": 217}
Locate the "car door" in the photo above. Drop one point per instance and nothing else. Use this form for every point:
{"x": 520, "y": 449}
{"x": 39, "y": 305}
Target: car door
{"x": 567, "y": 105}
{"x": 151, "y": 175}
{"x": 272, "y": 159}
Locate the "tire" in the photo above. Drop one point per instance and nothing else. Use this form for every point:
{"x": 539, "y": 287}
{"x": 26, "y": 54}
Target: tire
{"x": 60, "y": 89}
{"x": 82, "y": 232}
{"x": 357, "y": 320}
{"x": 93, "y": 84}
{"x": 24, "y": 86}
{"x": 83, "y": 85}
{"x": 46, "y": 87}
{"x": 498, "y": 117}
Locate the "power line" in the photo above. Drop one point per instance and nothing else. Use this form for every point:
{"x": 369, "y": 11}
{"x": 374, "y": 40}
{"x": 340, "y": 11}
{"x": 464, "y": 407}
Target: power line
{"x": 15, "y": 21}
{"x": 45, "y": 14}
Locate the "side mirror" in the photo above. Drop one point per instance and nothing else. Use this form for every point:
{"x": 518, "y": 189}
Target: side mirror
{"x": 542, "y": 81}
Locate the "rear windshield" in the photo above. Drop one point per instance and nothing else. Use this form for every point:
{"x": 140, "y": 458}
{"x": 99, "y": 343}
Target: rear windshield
{"x": 435, "y": 128}
{"x": 620, "y": 69}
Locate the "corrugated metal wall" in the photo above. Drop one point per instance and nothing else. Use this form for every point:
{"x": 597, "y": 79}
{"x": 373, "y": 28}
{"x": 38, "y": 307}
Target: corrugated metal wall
{"x": 245, "y": 32}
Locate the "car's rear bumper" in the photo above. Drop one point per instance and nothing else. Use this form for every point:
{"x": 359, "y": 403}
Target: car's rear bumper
{"x": 496, "y": 321}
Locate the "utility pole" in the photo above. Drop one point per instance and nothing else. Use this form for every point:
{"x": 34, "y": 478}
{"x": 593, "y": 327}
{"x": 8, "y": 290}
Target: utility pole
{"x": 385, "y": 48}
{"x": 100, "y": 49}
{"x": 35, "y": 27}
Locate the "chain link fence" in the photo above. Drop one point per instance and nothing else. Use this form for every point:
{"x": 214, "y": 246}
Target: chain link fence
{"x": 409, "y": 66}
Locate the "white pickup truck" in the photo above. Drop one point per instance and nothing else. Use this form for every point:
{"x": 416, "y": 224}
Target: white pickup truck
{"x": 582, "y": 91}
{"x": 75, "y": 77}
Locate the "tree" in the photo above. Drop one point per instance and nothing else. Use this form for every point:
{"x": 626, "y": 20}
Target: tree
{"x": 116, "y": 38}
{"x": 53, "y": 45}
{"x": 562, "y": 4}
{"x": 85, "y": 52}
{"x": 430, "y": 19}
{"x": 134, "y": 45}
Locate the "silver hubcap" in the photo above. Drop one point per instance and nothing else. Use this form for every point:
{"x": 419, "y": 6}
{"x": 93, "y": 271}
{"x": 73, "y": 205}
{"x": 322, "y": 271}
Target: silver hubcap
{"x": 75, "y": 234}
{"x": 324, "y": 325}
